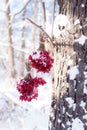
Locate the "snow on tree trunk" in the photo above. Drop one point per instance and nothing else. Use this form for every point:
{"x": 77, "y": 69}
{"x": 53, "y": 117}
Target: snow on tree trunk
{"x": 69, "y": 104}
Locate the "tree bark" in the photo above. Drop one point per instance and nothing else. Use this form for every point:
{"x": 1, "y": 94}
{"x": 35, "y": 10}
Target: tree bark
{"x": 66, "y": 50}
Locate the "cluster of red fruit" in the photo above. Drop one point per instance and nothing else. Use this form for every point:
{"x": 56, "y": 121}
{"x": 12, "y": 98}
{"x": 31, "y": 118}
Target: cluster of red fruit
{"x": 41, "y": 61}
{"x": 28, "y": 88}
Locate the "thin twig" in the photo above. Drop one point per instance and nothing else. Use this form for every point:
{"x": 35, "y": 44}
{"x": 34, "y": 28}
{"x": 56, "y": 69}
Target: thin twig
{"x": 22, "y": 8}
{"x": 40, "y": 27}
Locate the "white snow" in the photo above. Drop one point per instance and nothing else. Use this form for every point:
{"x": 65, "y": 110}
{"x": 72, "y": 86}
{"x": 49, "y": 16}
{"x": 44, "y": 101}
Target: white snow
{"x": 82, "y": 5}
{"x": 73, "y": 72}
{"x": 32, "y": 115}
{"x": 36, "y": 55}
{"x": 81, "y": 40}
{"x": 63, "y": 109}
{"x": 70, "y": 62}
{"x": 70, "y": 101}
{"x": 59, "y": 120}
{"x": 77, "y": 124}
{"x": 77, "y": 22}
{"x": 68, "y": 123}
{"x": 85, "y": 117}
{"x": 86, "y": 18}
{"x": 69, "y": 115}
{"x": 56, "y": 32}
{"x": 74, "y": 107}
{"x": 85, "y": 74}
{"x": 61, "y": 20}
{"x": 63, "y": 125}
{"x": 82, "y": 104}
{"x": 85, "y": 86}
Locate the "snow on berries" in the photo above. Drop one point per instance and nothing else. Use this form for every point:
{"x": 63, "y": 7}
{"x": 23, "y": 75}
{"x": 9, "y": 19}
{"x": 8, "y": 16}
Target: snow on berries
{"x": 28, "y": 88}
{"x": 41, "y": 61}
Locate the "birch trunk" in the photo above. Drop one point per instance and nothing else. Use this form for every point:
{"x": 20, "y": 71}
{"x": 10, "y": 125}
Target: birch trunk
{"x": 22, "y": 55}
{"x": 9, "y": 40}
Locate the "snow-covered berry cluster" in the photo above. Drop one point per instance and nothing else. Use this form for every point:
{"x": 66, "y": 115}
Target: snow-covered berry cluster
{"x": 28, "y": 87}
{"x": 41, "y": 61}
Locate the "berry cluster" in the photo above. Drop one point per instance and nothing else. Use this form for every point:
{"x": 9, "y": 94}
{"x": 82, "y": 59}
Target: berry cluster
{"x": 28, "y": 87}
{"x": 41, "y": 61}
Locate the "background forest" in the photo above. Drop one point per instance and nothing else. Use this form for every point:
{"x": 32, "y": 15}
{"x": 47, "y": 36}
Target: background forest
{"x": 18, "y": 36}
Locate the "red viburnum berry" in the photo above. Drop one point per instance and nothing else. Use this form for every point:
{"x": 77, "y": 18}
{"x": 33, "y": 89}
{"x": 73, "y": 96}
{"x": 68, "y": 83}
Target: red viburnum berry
{"x": 28, "y": 88}
{"x": 41, "y": 61}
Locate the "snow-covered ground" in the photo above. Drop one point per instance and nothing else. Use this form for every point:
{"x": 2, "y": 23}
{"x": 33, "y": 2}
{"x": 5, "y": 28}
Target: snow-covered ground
{"x": 16, "y": 114}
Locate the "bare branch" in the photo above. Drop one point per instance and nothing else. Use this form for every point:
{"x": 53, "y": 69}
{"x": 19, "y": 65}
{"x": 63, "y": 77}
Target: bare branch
{"x": 22, "y": 8}
{"x": 40, "y": 27}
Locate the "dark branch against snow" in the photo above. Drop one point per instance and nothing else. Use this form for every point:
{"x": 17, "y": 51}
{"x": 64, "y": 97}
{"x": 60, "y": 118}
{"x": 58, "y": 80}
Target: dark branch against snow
{"x": 40, "y": 27}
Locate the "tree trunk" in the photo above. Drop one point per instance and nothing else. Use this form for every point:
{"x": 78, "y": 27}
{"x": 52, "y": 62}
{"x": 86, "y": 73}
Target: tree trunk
{"x": 70, "y": 93}
{"x": 22, "y": 55}
{"x": 9, "y": 40}
{"x": 34, "y": 29}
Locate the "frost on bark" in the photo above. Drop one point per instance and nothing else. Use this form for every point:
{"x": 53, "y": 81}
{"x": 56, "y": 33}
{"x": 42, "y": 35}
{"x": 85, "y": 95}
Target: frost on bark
{"x": 70, "y": 93}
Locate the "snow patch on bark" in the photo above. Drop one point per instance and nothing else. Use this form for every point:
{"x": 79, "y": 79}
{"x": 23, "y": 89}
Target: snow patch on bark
{"x": 85, "y": 74}
{"x": 73, "y": 72}
{"x": 61, "y": 21}
{"x": 70, "y": 101}
{"x": 82, "y": 5}
{"x": 82, "y": 104}
{"x": 85, "y": 117}
{"x": 81, "y": 40}
{"x": 77, "y": 124}
{"x": 77, "y": 22}
{"x": 85, "y": 86}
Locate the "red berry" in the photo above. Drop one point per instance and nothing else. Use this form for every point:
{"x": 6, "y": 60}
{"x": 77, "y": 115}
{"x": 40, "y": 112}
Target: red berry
{"x": 41, "y": 61}
{"x": 28, "y": 88}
